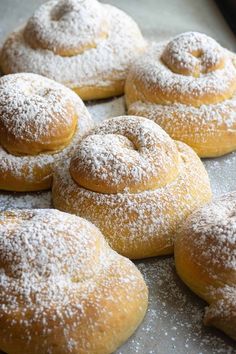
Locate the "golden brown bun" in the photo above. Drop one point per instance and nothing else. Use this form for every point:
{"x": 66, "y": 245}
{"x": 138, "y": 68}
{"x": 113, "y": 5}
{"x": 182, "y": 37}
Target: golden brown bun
{"x": 62, "y": 288}
{"x": 188, "y": 87}
{"x": 41, "y": 122}
{"x": 85, "y": 45}
{"x": 135, "y": 183}
{"x": 205, "y": 258}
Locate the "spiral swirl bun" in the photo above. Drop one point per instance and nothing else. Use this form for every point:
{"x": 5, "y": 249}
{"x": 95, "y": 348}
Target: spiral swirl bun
{"x": 188, "y": 87}
{"x": 83, "y": 44}
{"x": 68, "y": 27}
{"x": 193, "y": 55}
{"x": 35, "y": 115}
{"x": 205, "y": 256}
{"x": 121, "y": 156}
{"x": 62, "y": 288}
{"x": 134, "y": 182}
{"x": 40, "y": 123}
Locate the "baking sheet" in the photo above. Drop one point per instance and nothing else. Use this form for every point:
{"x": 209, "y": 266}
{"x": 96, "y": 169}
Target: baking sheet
{"x": 173, "y": 323}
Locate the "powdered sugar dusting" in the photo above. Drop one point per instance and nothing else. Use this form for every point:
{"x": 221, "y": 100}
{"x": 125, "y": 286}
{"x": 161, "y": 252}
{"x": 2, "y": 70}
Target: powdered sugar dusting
{"x": 187, "y": 86}
{"x": 209, "y": 239}
{"x": 56, "y": 273}
{"x": 18, "y": 166}
{"x": 193, "y": 125}
{"x": 149, "y": 72}
{"x": 126, "y": 153}
{"x": 216, "y": 223}
{"x": 106, "y": 109}
{"x": 34, "y": 108}
{"x": 36, "y": 200}
{"x": 174, "y": 317}
{"x": 175, "y": 116}
{"x": 99, "y": 66}
{"x": 67, "y": 27}
{"x": 140, "y": 221}
{"x": 193, "y": 53}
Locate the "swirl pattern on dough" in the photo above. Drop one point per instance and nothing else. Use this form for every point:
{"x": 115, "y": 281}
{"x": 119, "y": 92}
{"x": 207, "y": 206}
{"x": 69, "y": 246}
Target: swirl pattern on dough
{"x": 62, "y": 288}
{"x": 41, "y": 122}
{"x": 188, "y": 87}
{"x": 134, "y": 182}
{"x": 83, "y": 44}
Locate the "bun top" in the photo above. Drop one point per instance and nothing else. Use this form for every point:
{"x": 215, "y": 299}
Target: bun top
{"x": 36, "y": 114}
{"x": 125, "y": 154}
{"x": 67, "y": 27}
{"x": 191, "y": 69}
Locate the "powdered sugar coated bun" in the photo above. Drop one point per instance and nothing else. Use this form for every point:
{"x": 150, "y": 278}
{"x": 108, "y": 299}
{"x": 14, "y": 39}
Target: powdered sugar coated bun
{"x": 187, "y": 86}
{"x": 205, "y": 256}
{"x": 67, "y": 27}
{"x": 83, "y": 44}
{"x": 62, "y": 289}
{"x": 41, "y": 123}
{"x": 36, "y": 115}
{"x": 193, "y": 54}
{"x": 125, "y": 155}
{"x": 135, "y": 183}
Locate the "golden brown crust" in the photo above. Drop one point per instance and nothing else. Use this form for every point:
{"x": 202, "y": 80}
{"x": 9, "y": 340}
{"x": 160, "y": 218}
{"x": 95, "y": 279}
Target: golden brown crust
{"x": 40, "y": 124}
{"x": 136, "y": 224}
{"x": 76, "y": 297}
{"x": 190, "y": 96}
{"x": 205, "y": 257}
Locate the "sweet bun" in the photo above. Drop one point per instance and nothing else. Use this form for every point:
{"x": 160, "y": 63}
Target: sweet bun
{"x": 134, "y": 182}
{"x": 83, "y": 44}
{"x": 205, "y": 258}
{"x": 188, "y": 87}
{"x": 62, "y": 288}
{"x": 41, "y": 123}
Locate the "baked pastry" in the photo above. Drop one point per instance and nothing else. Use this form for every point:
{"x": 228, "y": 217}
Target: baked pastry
{"x": 41, "y": 123}
{"x": 62, "y": 288}
{"x": 134, "y": 182}
{"x": 83, "y": 44}
{"x": 188, "y": 87}
{"x": 205, "y": 257}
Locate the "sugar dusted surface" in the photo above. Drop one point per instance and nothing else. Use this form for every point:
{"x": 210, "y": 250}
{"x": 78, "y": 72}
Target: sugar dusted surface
{"x": 178, "y": 53}
{"x": 70, "y": 24}
{"x": 28, "y": 113}
{"x": 56, "y": 269}
{"x": 216, "y": 223}
{"x": 126, "y": 154}
{"x": 151, "y": 71}
{"x": 173, "y": 323}
{"x": 173, "y": 116}
{"x": 174, "y": 317}
{"x": 99, "y": 66}
{"x": 28, "y": 100}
